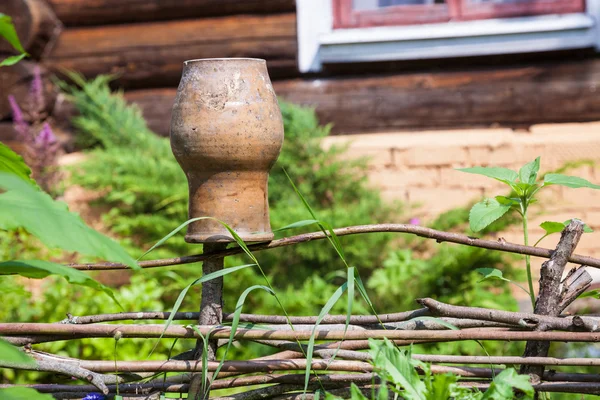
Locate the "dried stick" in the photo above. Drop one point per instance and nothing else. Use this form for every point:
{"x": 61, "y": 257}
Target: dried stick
{"x": 60, "y": 367}
{"x": 421, "y": 231}
{"x": 177, "y": 331}
{"x": 549, "y": 296}
{"x": 573, "y": 285}
{"x": 253, "y": 318}
{"x": 524, "y": 320}
{"x": 211, "y": 313}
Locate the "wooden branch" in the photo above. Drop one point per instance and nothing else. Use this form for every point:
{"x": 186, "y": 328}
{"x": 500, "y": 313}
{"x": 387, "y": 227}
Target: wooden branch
{"x": 152, "y": 54}
{"x": 177, "y": 331}
{"x": 438, "y": 236}
{"x": 101, "y": 12}
{"x": 211, "y": 313}
{"x": 523, "y": 320}
{"x": 61, "y": 367}
{"x": 577, "y": 281}
{"x": 549, "y": 296}
{"x": 253, "y": 318}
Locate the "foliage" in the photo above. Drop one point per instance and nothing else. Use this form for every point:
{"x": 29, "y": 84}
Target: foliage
{"x": 399, "y": 373}
{"x": 8, "y": 32}
{"x": 524, "y": 186}
{"x": 24, "y": 206}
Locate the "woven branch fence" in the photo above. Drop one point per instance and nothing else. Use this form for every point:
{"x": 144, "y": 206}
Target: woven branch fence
{"x": 338, "y": 359}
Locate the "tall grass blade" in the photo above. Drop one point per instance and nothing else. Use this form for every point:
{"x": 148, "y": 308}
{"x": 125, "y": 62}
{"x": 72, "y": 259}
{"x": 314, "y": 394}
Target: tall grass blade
{"x": 181, "y": 296}
{"x": 236, "y": 319}
{"x": 311, "y": 343}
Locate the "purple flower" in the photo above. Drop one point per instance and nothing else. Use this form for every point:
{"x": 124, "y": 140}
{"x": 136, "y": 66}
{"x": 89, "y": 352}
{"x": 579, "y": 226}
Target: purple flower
{"x": 21, "y": 126}
{"x": 37, "y": 90}
{"x": 414, "y": 221}
{"x": 46, "y": 137}
{"x": 94, "y": 396}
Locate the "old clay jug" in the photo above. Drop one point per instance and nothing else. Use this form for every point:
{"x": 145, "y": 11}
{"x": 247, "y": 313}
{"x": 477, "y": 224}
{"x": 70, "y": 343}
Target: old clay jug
{"x": 226, "y": 134}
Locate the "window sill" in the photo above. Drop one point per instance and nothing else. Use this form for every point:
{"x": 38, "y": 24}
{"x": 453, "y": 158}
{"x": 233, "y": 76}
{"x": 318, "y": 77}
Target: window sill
{"x": 459, "y": 39}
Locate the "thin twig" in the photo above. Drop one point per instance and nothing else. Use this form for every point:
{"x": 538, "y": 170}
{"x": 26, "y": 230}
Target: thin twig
{"x": 252, "y": 318}
{"x": 177, "y": 331}
{"x": 524, "y": 320}
{"x": 59, "y": 367}
{"x": 421, "y": 231}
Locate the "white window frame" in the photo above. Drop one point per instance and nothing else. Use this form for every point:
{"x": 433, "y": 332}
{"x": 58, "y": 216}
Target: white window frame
{"x": 319, "y": 43}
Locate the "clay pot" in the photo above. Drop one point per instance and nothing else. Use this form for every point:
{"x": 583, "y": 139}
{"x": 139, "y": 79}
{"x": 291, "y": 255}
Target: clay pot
{"x": 226, "y": 134}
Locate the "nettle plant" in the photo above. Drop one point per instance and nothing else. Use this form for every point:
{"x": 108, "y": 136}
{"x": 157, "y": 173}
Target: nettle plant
{"x": 524, "y": 187}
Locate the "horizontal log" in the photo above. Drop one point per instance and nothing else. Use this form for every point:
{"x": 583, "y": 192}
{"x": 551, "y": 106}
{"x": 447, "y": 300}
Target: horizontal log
{"x": 100, "y": 12}
{"x": 512, "y": 97}
{"x": 35, "y": 23}
{"x": 151, "y": 55}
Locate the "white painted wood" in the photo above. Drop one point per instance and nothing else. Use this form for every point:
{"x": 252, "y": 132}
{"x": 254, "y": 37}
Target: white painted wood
{"x": 314, "y": 18}
{"x": 458, "y": 47}
{"x": 319, "y": 43}
{"x": 592, "y": 8}
{"x": 486, "y": 27}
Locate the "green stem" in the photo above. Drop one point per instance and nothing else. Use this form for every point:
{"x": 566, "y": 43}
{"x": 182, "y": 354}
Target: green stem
{"x": 527, "y": 258}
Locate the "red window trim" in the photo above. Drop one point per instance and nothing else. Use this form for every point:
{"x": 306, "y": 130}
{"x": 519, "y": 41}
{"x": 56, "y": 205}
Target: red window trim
{"x": 457, "y": 10}
{"x": 490, "y": 10}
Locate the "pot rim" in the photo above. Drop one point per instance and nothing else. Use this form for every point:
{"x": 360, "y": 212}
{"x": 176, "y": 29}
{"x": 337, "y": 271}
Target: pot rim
{"x": 197, "y": 60}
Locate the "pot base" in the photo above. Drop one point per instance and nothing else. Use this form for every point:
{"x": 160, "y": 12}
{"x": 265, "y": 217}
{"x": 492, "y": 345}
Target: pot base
{"x": 220, "y": 238}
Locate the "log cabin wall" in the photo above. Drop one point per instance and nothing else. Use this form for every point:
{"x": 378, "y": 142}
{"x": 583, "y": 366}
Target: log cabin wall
{"x": 145, "y": 42}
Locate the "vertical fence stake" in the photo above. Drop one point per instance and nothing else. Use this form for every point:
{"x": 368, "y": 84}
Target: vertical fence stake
{"x": 211, "y": 313}
{"x": 550, "y": 296}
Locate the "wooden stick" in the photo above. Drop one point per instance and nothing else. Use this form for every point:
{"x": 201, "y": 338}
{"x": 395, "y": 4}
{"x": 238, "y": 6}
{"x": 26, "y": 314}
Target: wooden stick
{"x": 421, "y": 231}
{"x": 211, "y": 313}
{"x": 550, "y": 294}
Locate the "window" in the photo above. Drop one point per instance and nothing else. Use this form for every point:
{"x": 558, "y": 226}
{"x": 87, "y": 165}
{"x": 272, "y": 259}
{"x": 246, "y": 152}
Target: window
{"x": 350, "y": 31}
{"x": 366, "y": 13}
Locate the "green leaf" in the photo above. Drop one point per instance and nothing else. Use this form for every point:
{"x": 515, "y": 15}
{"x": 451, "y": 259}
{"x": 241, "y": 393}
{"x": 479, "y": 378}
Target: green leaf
{"x": 441, "y": 386}
{"x": 12, "y": 60}
{"x": 592, "y": 293}
{"x": 568, "y": 181}
{"x": 551, "y": 227}
{"x": 491, "y": 273}
{"x": 502, "y": 386}
{"x": 10, "y": 353}
{"x": 504, "y": 175}
{"x": 8, "y": 32}
{"x": 22, "y": 393}
{"x": 22, "y": 205}
{"x": 355, "y": 393}
{"x": 13, "y": 163}
{"x": 398, "y": 368}
{"x": 528, "y": 172}
{"x": 485, "y": 212}
{"x": 38, "y": 269}
{"x": 511, "y": 201}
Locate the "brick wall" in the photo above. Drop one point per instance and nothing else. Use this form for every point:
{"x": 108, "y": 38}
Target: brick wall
{"x": 418, "y": 168}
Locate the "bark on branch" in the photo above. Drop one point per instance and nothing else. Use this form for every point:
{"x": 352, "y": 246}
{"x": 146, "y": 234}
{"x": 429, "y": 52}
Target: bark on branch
{"x": 438, "y": 236}
{"x": 549, "y": 298}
